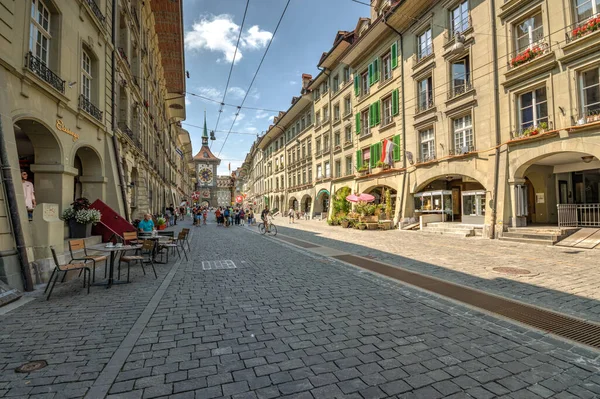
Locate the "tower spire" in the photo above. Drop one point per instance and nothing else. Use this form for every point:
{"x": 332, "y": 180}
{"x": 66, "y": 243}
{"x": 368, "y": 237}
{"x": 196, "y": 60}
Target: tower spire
{"x": 205, "y": 132}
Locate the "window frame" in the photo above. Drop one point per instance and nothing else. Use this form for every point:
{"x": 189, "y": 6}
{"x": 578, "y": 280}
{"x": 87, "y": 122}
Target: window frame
{"x": 465, "y": 131}
{"x": 464, "y": 18}
{"x": 425, "y": 49}
{"x": 348, "y": 134}
{"x": 530, "y": 31}
{"x": 347, "y": 105}
{"x": 386, "y": 119}
{"x": 365, "y": 122}
{"x": 429, "y": 154}
{"x": 582, "y": 89}
{"x": 364, "y": 83}
{"x": 86, "y": 75}
{"x": 429, "y": 93}
{"x": 534, "y": 106}
{"x": 349, "y": 167}
{"x": 386, "y": 66}
{"x": 36, "y": 27}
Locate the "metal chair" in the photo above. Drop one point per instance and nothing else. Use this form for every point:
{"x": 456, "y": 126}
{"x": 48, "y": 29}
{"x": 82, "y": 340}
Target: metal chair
{"x": 146, "y": 249}
{"x": 65, "y": 268}
{"x": 187, "y": 234}
{"x": 78, "y": 245}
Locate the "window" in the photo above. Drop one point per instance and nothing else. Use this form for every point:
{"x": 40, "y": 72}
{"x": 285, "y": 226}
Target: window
{"x": 425, "y": 89}
{"x": 346, "y": 74}
{"x": 366, "y": 156}
{"x": 39, "y": 41}
{"x": 303, "y": 176}
{"x": 529, "y": 32}
{"x": 310, "y": 175}
{"x": 349, "y": 170}
{"x": 302, "y": 123}
{"x": 318, "y": 117}
{"x": 533, "y": 108}
{"x": 325, "y": 86}
{"x": 348, "y": 134}
{"x": 427, "y": 140}
{"x": 364, "y": 83}
{"x": 585, "y": 9}
{"x": 590, "y": 93}
{"x": 86, "y": 75}
{"x": 319, "y": 171}
{"x": 336, "y": 83}
{"x": 347, "y": 105}
{"x": 309, "y": 151}
{"x": 336, "y": 112}
{"x": 460, "y": 79}
{"x": 325, "y": 113}
{"x": 386, "y": 64}
{"x": 316, "y": 94}
{"x": 424, "y": 44}
{"x": 337, "y": 139}
{"x": 318, "y": 146}
{"x": 327, "y": 170}
{"x": 290, "y": 181}
{"x": 387, "y": 110}
{"x": 463, "y": 134}
{"x": 303, "y": 150}
{"x": 365, "y": 122}
{"x": 326, "y": 143}
{"x": 338, "y": 168}
{"x": 459, "y": 18}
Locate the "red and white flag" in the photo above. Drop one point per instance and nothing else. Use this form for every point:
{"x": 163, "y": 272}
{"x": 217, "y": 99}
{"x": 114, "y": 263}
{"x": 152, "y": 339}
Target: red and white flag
{"x": 387, "y": 151}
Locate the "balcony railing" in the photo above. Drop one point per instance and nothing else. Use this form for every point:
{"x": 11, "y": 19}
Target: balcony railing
{"x": 462, "y": 150}
{"x": 424, "y": 53}
{"x": 424, "y": 105}
{"x": 125, "y": 129}
{"x": 96, "y": 10}
{"x": 589, "y": 116}
{"x": 461, "y": 87}
{"x": 578, "y": 215}
{"x": 527, "y": 55}
{"x": 533, "y": 130}
{"x": 123, "y": 55}
{"x": 90, "y": 108}
{"x": 426, "y": 157}
{"x": 583, "y": 28}
{"x": 38, "y": 67}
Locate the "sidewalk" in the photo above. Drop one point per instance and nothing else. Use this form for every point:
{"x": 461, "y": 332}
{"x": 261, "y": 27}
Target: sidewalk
{"x": 562, "y": 279}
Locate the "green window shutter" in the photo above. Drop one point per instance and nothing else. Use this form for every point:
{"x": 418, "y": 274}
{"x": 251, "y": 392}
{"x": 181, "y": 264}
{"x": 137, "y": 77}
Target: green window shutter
{"x": 394, "y": 55}
{"x": 376, "y": 70}
{"x": 397, "y": 151}
{"x": 370, "y": 69}
{"x": 356, "y": 85}
{"x": 378, "y": 112}
{"x": 372, "y": 115}
{"x": 395, "y": 108}
{"x": 358, "y": 159}
{"x": 371, "y": 156}
{"x": 358, "y": 123}
{"x": 379, "y": 148}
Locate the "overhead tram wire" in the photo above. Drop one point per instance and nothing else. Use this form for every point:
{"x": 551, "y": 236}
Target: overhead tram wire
{"x": 237, "y": 44}
{"x": 255, "y": 74}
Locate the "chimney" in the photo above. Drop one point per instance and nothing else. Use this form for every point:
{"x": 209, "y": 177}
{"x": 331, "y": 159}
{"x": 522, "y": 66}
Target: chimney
{"x": 306, "y": 78}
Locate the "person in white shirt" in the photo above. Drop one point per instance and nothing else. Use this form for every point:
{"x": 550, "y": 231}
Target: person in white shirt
{"x": 29, "y": 194}
{"x": 291, "y": 213}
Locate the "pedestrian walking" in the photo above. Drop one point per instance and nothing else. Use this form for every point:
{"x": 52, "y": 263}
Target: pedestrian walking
{"x": 204, "y": 215}
{"x": 171, "y": 213}
{"x": 197, "y": 216}
{"x": 242, "y": 216}
{"x": 291, "y": 213}
{"x": 236, "y": 215}
{"x": 226, "y": 216}
{"x": 218, "y": 215}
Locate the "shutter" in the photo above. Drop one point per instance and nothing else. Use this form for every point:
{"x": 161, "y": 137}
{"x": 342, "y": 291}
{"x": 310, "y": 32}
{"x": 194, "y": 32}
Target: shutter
{"x": 372, "y": 115}
{"x": 374, "y": 158}
{"x": 356, "y": 85}
{"x": 394, "y": 55}
{"x": 395, "y": 108}
{"x": 397, "y": 151}
{"x": 358, "y": 123}
{"x": 378, "y": 112}
{"x": 379, "y": 149}
{"x": 358, "y": 159}
{"x": 370, "y": 69}
{"x": 376, "y": 70}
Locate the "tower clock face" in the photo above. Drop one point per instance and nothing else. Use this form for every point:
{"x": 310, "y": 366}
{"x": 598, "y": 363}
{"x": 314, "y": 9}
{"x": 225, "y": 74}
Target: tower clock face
{"x": 205, "y": 175}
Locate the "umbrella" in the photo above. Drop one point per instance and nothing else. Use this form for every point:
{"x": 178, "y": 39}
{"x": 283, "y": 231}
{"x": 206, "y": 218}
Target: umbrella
{"x": 360, "y": 197}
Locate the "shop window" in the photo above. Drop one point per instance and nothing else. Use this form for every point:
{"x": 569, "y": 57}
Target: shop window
{"x": 590, "y": 95}
{"x": 533, "y": 108}
{"x": 459, "y": 18}
{"x": 473, "y": 203}
{"x": 529, "y": 33}
{"x": 427, "y": 144}
{"x": 424, "y": 44}
{"x": 463, "y": 134}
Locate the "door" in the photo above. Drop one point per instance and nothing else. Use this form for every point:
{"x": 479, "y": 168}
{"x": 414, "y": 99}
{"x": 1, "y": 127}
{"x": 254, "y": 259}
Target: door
{"x": 530, "y": 202}
{"x": 563, "y": 192}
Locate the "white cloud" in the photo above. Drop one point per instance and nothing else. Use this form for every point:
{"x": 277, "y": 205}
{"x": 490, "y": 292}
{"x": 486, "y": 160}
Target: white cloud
{"x": 210, "y": 92}
{"x": 236, "y": 92}
{"x": 187, "y": 101}
{"x": 293, "y": 82}
{"x": 220, "y": 33}
{"x": 263, "y": 114}
{"x": 254, "y": 94}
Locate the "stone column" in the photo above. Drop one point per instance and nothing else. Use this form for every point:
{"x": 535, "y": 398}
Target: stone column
{"x": 515, "y": 221}
{"x": 55, "y": 183}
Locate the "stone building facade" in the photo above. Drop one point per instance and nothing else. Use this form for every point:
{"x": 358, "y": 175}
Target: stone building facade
{"x": 88, "y": 105}
{"x": 491, "y": 108}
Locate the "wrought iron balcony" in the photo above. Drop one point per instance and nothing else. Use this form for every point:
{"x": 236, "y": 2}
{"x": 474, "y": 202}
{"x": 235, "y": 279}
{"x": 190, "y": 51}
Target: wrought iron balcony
{"x": 426, "y": 157}
{"x": 96, "y": 10}
{"x": 90, "y": 108}
{"x": 38, "y": 67}
{"x": 460, "y": 87}
{"x": 462, "y": 150}
{"x": 527, "y": 55}
{"x": 583, "y": 28}
{"x": 423, "y": 105}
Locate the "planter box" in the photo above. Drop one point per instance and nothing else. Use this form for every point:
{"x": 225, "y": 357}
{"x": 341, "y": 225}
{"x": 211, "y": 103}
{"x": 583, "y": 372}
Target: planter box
{"x": 78, "y": 230}
{"x": 361, "y": 226}
{"x": 385, "y": 224}
{"x": 161, "y": 227}
{"x": 377, "y": 170}
{"x": 368, "y": 219}
{"x": 344, "y": 224}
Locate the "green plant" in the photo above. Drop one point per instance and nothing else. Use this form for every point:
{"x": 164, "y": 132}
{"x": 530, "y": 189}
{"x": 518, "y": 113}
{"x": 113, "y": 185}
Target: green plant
{"x": 160, "y": 221}
{"x": 80, "y": 212}
{"x": 340, "y": 205}
{"x": 361, "y": 226}
{"x": 363, "y": 168}
{"x": 380, "y": 164}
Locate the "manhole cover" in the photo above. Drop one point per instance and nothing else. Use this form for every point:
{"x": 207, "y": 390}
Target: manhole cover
{"x": 511, "y": 270}
{"x": 31, "y": 366}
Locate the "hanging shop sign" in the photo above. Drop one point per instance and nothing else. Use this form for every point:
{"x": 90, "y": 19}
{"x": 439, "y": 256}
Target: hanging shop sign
{"x": 60, "y": 125}
{"x": 239, "y": 199}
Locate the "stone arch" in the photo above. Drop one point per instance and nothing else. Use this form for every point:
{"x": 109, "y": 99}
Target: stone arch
{"x": 322, "y": 200}
{"x": 293, "y": 203}
{"x": 431, "y": 175}
{"x": 305, "y": 203}
{"x": 525, "y": 159}
{"x": 89, "y": 181}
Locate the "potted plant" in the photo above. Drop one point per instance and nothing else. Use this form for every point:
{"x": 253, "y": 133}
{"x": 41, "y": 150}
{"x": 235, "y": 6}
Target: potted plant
{"x": 81, "y": 218}
{"x": 161, "y": 223}
{"x": 361, "y": 226}
{"x": 344, "y": 222}
{"x": 362, "y": 170}
{"x": 379, "y": 167}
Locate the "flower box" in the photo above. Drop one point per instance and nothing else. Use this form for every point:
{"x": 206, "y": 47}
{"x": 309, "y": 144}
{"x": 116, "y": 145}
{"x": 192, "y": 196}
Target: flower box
{"x": 526, "y": 56}
{"x": 590, "y": 26}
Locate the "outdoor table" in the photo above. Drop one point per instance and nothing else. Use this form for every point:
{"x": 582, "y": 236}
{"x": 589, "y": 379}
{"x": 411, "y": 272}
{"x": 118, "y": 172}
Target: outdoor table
{"x": 114, "y": 250}
{"x": 157, "y": 240}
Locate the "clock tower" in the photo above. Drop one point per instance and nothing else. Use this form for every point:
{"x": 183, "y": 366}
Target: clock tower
{"x": 206, "y": 164}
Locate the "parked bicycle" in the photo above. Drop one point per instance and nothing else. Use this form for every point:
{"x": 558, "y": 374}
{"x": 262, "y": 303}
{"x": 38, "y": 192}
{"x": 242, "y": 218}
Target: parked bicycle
{"x": 271, "y": 229}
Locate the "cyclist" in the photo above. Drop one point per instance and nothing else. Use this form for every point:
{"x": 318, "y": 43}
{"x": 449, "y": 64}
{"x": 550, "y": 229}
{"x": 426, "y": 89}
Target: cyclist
{"x": 264, "y": 215}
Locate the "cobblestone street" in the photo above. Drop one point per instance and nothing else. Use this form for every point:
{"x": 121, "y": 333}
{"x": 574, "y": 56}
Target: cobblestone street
{"x": 277, "y": 321}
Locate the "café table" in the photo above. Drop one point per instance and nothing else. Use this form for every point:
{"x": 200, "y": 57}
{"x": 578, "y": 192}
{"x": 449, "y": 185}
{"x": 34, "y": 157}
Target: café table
{"x": 157, "y": 240}
{"x": 114, "y": 251}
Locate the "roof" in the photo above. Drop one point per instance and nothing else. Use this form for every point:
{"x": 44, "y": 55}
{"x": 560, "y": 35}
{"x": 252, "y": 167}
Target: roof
{"x": 168, "y": 17}
{"x": 205, "y": 154}
{"x": 343, "y": 39}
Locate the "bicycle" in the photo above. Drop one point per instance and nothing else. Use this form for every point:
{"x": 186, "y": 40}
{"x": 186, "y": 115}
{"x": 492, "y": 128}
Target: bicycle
{"x": 272, "y": 230}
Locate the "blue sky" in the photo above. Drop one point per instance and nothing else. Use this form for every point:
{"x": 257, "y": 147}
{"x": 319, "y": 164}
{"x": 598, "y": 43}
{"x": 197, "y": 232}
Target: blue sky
{"x": 211, "y": 31}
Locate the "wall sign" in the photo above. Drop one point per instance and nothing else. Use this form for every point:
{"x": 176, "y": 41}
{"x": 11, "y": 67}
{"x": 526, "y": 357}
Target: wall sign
{"x": 539, "y": 198}
{"x": 60, "y": 125}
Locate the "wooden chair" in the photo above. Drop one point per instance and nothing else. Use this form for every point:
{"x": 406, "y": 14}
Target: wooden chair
{"x": 78, "y": 245}
{"x": 146, "y": 249}
{"x": 187, "y": 234}
{"x": 130, "y": 238}
{"x": 65, "y": 268}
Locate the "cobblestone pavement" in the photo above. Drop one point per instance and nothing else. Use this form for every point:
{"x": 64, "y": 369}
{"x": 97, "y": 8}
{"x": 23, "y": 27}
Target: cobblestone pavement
{"x": 276, "y": 322}
{"x": 562, "y": 279}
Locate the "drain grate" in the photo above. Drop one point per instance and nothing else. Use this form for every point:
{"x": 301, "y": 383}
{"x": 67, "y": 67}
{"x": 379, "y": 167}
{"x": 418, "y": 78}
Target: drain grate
{"x": 301, "y": 244}
{"x": 218, "y": 264}
{"x": 511, "y": 270}
{"x": 554, "y": 323}
{"x": 31, "y": 366}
